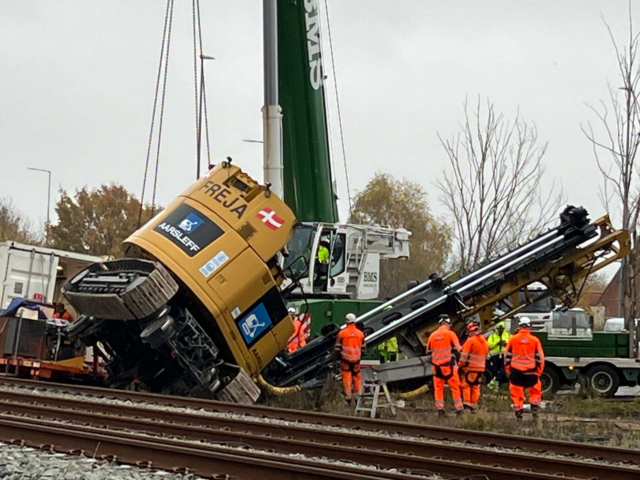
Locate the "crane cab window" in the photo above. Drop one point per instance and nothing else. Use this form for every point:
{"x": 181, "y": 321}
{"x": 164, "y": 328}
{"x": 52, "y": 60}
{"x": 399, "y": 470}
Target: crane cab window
{"x": 330, "y": 259}
{"x": 337, "y": 254}
{"x": 299, "y": 248}
{"x": 329, "y": 251}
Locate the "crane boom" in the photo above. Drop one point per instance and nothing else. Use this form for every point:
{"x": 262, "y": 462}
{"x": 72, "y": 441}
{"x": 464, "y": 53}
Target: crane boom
{"x": 308, "y": 181}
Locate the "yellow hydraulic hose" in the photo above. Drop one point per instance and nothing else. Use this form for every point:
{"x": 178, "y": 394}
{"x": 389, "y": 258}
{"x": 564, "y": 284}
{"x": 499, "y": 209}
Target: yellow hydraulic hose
{"x": 273, "y": 390}
{"x": 413, "y": 393}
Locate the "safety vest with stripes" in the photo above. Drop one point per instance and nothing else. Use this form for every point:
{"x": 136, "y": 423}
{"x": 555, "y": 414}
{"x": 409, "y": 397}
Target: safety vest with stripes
{"x": 297, "y": 340}
{"x": 524, "y": 353}
{"x": 350, "y": 343}
{"x": 441, "y": 346}
{"x": 474, "y": 354}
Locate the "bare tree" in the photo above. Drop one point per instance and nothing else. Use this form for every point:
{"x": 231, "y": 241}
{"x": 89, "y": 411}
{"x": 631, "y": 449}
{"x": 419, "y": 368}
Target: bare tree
{"x": 615, "y": 146}
{"x": 492, "y": 188}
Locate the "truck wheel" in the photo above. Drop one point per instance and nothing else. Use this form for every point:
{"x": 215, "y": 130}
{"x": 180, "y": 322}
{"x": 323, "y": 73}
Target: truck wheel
{"x": 603, "y": 380}
{"x": 550, "y": 381}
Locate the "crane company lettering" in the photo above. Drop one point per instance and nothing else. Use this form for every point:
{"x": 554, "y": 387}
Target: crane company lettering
{"x": 371, "y": 277}
{"x": 313, "y": 43}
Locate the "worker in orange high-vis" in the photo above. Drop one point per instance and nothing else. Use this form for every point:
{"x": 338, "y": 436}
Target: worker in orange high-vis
{"x": 349, "y": 347}
{"x": 472, "y": 364}
{"x": 297, "y": 340}
{"x": 524, "y": 363}
{"x": 442, "y": 347}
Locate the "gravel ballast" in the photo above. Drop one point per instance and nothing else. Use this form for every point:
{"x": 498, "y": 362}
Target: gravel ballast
{"x": 277, "y": 422}
{"x": 24, "y": 463}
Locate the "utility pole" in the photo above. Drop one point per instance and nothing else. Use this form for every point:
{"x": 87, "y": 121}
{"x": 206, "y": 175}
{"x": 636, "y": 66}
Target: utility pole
{"x": 48, "y": 172}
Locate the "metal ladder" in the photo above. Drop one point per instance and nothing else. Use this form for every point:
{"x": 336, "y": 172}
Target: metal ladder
{"x": 371, "y": 391}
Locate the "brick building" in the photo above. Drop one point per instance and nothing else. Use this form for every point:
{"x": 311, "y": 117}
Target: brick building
{"x": 610, "y": 298}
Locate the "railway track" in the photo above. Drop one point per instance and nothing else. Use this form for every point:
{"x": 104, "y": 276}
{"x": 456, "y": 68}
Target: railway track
{"x": 230, "y": 439}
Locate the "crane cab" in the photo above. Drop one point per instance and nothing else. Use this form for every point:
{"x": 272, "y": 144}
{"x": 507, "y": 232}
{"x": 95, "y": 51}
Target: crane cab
{"x": 342, "y": 260}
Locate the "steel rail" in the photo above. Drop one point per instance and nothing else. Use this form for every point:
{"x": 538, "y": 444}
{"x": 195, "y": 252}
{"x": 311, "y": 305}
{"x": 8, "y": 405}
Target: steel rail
{"x": 381, "y": 451}
{"x": 213, "y": 461}
{"x": 387, "y": 427}
{"x": 409, "y": 468}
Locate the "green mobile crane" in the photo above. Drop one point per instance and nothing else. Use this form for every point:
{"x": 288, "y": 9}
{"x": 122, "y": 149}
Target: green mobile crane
{"x": 349, "y": 280}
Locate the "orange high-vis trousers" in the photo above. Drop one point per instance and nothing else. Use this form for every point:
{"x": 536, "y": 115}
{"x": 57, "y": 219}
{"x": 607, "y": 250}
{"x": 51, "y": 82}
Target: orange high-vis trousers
{"x": 517, "y": 395}
{"x": 470, "y": 387}
{"x": 446, "y": 375}
{"x": 351, "y": 378}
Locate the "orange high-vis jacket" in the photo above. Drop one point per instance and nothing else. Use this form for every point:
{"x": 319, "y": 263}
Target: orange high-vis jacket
{"x": 524, "y": 353}
{"x": 297, "y": 340}
{"x": 441, "y": 346}
{"x": 474, "y": 354}
{"x": 350, "y": 343}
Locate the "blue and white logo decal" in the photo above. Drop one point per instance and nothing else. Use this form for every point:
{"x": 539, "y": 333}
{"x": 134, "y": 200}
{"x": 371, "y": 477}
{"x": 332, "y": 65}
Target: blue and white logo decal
{"x": 254, "y": 323}
{"x": 190, "y": 223}
{"x": 213, "y": 264}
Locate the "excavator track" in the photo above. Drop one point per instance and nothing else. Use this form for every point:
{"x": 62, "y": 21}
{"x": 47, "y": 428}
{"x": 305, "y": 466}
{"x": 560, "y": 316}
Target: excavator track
{"x": 128, "y": 289}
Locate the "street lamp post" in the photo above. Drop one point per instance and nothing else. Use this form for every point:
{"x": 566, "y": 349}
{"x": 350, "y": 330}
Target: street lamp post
{"x": 48, "y": 172}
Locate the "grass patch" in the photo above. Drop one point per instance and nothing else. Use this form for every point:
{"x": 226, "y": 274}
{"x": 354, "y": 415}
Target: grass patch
{"x": 575, "y": 418}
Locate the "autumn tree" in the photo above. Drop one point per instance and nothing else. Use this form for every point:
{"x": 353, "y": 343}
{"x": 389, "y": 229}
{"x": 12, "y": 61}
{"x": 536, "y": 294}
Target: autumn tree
{"x": 592, "y": 286}
{"x": 15, "y": 227}
{"x": 96, "y": 221}
{"x": 395, "y": 203}
{"x": 492, "y": 188}
{"x": 615, "y": 138}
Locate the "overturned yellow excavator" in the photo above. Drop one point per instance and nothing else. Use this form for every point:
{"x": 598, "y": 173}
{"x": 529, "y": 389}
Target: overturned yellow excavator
{"x": 196, "y": 308}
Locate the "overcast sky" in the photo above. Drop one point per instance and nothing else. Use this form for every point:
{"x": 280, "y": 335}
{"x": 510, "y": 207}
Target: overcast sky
{"x": 77, "y": 82}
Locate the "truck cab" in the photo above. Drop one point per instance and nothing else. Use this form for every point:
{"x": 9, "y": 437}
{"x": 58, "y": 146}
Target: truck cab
{"x": 539, "y": 312}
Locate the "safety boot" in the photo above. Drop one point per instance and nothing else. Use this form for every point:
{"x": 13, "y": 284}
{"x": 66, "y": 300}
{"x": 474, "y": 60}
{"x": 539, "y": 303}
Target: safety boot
{"x": 442, "y": 413}
{"x": 534, "y": 410}
{"x": 518, "y": 416}
{"x": 348, "y": 402}
{"x": 459, "y": 413}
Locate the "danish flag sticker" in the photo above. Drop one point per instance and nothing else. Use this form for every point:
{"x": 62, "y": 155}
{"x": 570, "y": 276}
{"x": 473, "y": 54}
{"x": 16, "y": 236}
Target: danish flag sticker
{"x": 270, "y": 219}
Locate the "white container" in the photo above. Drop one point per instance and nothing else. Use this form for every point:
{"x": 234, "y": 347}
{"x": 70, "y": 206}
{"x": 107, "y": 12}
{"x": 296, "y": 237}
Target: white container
{"x": 37, "y": 273}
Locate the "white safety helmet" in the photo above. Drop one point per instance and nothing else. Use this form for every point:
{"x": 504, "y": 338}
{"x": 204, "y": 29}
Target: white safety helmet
{"x": 350, "y": 318}
{"x": 292, "y": 311}
{"x": 443, "y": 318}
{"x": 524, "y": 322}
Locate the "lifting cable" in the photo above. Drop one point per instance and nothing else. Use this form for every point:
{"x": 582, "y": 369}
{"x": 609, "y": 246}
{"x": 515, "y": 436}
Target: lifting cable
{"x": 195, "y": 84}
{"x": 201, "y": 102}
{"x": 164, "y": 53}
{"x": 164, "y": 90}
{"x": 335, "y": 84}
{"x": 332, "y": 156}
